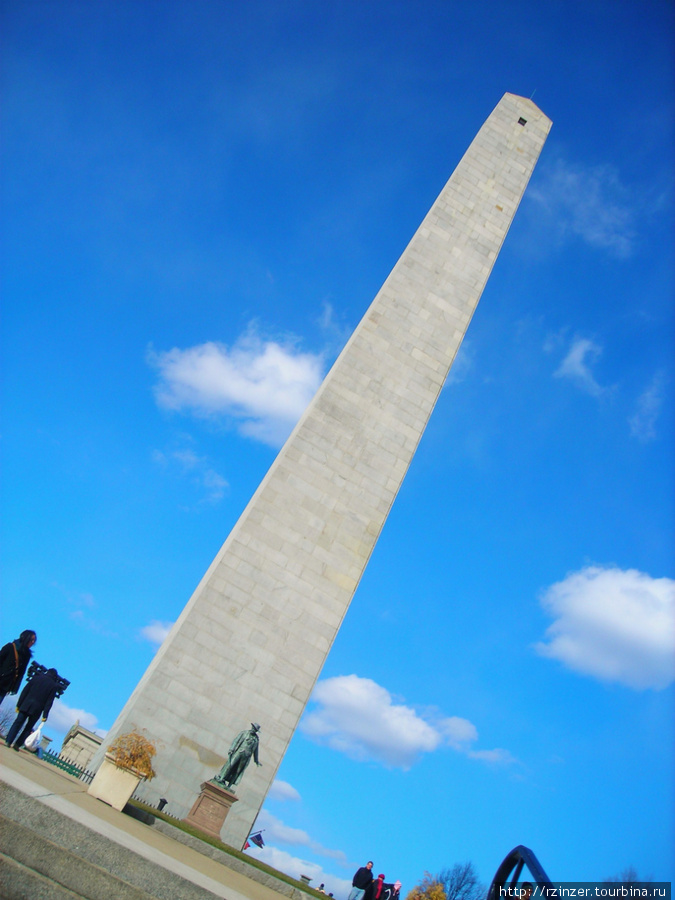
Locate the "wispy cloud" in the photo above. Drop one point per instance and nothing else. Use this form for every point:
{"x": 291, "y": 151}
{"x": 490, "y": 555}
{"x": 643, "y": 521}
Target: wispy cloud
{"x": 643, "y": 422}
{"x": 359, "y": 718}
{"x": 577, "y": 366}
{"x": 295, "y": 866}
{"x": 156, "y": 631}
{"x": 590, "y": 203}
{"x": 613, "y": 624}
{"x": 336, "y": 332}
{"x": 498, "y": 756}
{"x": 282, "y": 790}
{"x": 262, "y": 385}
{"x": 276, "y": 830}
{"x": 82, "y": 609}
{"x": 197, "y": 468}
{"x": 463, "y": 363}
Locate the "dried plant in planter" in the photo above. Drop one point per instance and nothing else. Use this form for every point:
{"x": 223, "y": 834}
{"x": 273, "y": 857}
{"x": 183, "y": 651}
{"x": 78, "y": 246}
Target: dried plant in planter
{"x": 134, "y": 752}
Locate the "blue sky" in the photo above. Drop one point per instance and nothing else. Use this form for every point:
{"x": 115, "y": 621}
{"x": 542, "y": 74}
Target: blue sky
{"x": 200, "y": 201}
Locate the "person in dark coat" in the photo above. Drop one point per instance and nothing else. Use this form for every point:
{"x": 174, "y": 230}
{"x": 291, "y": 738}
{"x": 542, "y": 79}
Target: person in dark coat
{"x": 362, "y": 879}
{"x": 36, "y": 700}
{"x": 390, "y": 891}
{"x": 14, "y": 659}
{"x": 375, "y": 890}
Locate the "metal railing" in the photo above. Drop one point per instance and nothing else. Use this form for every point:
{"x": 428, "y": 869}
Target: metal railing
{"x": 55, "y": 759}
{"x": 509, "y": 874}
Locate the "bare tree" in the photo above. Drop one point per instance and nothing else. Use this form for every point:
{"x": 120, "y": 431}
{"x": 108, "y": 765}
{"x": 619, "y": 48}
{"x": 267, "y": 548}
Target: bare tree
{"x": 628, "y": 875}
{"x": 461, "y": 882}
{"x": 7, "y": 714}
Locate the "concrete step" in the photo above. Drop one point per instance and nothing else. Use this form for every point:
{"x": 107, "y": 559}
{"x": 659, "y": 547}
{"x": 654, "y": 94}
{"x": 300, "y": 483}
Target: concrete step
{"x": 73, "y": 858}
{"x": 64, "y": 869}
{"x": 19, "y": 882}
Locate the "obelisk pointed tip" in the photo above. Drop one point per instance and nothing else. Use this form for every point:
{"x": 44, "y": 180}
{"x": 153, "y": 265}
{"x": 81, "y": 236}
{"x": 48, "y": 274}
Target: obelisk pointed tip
{"x": 525, "y": 102}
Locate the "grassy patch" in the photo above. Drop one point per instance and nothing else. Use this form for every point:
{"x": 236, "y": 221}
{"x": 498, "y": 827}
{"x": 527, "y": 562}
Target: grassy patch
{"x": 226, "y": 848}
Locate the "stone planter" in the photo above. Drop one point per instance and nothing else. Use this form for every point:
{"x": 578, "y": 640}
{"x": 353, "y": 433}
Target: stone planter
{"x": 114, "y": 785}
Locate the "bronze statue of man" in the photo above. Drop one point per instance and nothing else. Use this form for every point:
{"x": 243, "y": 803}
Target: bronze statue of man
{"x": 244, "y": 746}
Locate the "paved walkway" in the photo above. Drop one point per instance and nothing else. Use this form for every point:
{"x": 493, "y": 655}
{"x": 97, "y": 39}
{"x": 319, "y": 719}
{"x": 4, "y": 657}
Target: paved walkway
{"x": 48, "y": 785}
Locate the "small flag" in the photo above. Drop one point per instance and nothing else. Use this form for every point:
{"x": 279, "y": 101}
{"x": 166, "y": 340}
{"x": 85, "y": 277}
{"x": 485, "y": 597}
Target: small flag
{"x": 246, "y": 845}
{"x": 257, "y": 839}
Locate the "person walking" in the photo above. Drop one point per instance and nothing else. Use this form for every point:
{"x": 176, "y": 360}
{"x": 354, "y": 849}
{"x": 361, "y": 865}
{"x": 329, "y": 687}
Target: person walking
{"x": 14, "y": 659}
{"x": 36, "y": 700}
{"x": 362, "y": 879}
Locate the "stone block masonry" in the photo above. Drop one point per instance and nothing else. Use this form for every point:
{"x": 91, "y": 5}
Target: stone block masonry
{"x": 252, "y": 640}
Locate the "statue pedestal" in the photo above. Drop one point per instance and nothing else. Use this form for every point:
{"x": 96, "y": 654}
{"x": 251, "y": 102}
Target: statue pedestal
{"x": 210, "y": 809}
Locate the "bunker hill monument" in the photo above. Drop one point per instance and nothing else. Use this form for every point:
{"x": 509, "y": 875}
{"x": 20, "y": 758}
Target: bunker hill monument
{"x": 251, "y": 642}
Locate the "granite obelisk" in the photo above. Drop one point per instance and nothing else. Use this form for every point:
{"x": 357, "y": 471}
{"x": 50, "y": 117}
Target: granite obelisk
{"x": 252, "y": 640}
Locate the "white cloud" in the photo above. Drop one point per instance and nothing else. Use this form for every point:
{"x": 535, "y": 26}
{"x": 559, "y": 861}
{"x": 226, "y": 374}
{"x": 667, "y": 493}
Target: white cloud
{"x": 643, "y": 423}
{"x": 276, "y": 830}
{"x": 156, "y": 631}
{"x": 358, "y": 717}
{"x": 263, "y": 385}
{"x": 589, "y": 203}
{"x": 577, "y": 366}
{"x": 62, "y": 718}
{"x": 282, "y": 790}
{"x": 458, "y": 732}
{"x": 295, "y": 867}
{"x": 614, "y": 625}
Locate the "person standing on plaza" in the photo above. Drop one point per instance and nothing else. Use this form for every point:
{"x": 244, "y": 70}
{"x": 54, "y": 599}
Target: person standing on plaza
{"x": 376, "y": 890}
{"x": 36, "y": 700}
{"x": 362, "y": 879}
{"x": 14, "y": 659}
